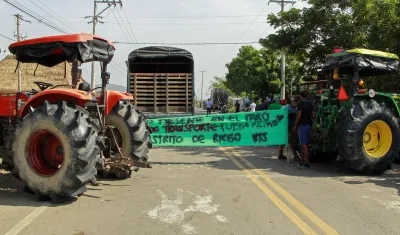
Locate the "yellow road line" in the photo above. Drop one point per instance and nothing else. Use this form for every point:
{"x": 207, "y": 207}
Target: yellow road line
{"x": 295, "y": 203}
{"x": 278, "y": 203}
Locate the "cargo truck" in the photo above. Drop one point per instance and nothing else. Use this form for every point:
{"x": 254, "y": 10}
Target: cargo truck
{"x": 161, "y": 80}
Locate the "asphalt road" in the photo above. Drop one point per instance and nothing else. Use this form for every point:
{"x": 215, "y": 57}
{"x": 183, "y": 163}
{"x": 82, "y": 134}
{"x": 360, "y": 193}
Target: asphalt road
{"x": 215, "y": 191}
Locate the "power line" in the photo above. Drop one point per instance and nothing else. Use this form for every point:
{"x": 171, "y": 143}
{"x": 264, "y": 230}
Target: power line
{"x": 127, "y": 30}
{"x": 95, "y": 20}
{"x": 123, "y": 31}
{"x": 173, "y": 17}
{"x": 55, "y": 13}
{"x": 183, "y": 24}
{"x": 247, "y": 29}
{"x": 188, "y": 43}
{"x": 7, "y": 37}
{"x": 25, "y": 10}
{"x": 46, "y": 12}
{"x": 133, "y": 33}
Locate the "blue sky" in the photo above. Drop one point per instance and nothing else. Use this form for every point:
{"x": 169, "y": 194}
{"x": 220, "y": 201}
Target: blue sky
{"x": 179, "y": 21}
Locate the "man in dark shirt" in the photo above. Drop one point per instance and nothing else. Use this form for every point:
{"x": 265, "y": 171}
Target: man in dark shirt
{"x": 305, "y": 115}
{"x": 264, "y": 105}
{"x": 293, "y": 137}
{"x": 237, "y": 106}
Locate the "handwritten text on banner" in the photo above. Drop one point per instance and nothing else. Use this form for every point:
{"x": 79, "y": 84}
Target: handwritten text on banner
{"x": 261, "y": 128}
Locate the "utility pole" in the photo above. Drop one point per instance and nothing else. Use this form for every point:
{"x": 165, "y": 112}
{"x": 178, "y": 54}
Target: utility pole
{"x": 95, "y": 19}
{"x": 19, "y": 18}
{"x": 282, "y": 3}
{"x": 201, "y": 95}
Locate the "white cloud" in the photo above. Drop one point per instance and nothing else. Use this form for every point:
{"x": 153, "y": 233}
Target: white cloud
{"x": 211, "y": 58}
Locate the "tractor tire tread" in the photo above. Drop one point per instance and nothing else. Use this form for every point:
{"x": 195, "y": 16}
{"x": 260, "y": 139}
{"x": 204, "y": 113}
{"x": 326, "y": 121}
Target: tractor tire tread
{"x": 77, "y": 133}
{"x": 351, "y": 124}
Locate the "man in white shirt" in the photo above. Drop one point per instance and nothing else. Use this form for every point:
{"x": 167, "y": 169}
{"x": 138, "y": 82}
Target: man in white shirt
{"x": 253, "y": 107}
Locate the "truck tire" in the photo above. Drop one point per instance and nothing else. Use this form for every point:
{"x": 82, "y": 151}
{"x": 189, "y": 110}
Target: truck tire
{"x": 55, "y": 150}
{"x": 131, "y": 131}
{"x": 368, "y": 137}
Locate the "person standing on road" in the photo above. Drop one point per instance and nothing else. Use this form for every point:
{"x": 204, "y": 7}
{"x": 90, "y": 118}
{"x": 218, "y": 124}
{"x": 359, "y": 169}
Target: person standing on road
{"x": 264, "y": 105}
{"x": 292, "y": 114}
{"x": 237, "y": 106}
{"x": 253, "y": 107}
{"x": 305, "y": 115}
{"x": 276, "y": 106}
{"x": 208, "y": 106}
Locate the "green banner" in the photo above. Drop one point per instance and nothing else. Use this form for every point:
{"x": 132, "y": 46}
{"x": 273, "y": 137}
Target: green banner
{"x": 263, "y": 128}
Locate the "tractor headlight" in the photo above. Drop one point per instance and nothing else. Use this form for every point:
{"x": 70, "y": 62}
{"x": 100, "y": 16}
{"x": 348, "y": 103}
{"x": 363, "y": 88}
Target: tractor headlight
{"x": 371, "y": 93}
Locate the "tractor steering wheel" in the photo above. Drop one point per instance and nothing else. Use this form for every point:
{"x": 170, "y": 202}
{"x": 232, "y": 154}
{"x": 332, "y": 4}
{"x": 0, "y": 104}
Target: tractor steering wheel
{"x": 43, "y": 85}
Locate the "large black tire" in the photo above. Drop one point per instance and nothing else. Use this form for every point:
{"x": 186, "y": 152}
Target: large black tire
{"x": 350, "y": 137}
{"x": 131, "y": 131}
{"x": 71, "y": 145}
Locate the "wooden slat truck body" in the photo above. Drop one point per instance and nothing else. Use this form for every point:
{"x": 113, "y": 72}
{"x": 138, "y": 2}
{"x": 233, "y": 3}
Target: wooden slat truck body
{"x": 161, "y": 80}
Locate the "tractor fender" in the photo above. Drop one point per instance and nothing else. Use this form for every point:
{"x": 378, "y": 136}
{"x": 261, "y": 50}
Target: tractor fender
{"x": 77, "y": 97}
{"x": 381, "y": 98}
{"x": 112, "y": 98}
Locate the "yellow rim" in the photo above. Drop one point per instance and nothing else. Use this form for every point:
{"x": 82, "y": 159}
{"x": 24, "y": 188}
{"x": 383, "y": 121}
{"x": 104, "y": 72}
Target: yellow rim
{"x": 377, "y": 139}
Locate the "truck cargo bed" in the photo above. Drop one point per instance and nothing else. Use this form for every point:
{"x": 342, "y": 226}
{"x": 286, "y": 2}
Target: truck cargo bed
{"x": 162, "y": 92}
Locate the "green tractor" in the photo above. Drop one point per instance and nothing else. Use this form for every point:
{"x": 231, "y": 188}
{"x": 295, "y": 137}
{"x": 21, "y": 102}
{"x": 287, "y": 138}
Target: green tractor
{"x": 357, "y": 123}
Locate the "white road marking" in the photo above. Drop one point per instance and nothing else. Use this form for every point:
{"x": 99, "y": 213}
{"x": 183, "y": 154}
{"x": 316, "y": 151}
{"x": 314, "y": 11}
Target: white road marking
{"x": 188, "y": 229}
{"x": 29, "y": 219}
{"x": 221, "y": 218}
{"x": 169, "y": 211}
{"x": 203, "y": 205}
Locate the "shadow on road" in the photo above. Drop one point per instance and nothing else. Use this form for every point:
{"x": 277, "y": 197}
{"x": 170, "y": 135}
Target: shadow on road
{"x": 265, "y": 158}
{"x": 219, "y": 161}
{"x": 12, "y": 193}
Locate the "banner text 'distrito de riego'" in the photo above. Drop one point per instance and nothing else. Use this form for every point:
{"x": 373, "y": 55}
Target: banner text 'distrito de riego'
{"x": 263, "y": 128}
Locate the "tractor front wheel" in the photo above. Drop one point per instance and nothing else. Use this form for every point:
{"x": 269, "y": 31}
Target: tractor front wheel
{"x": 130, "y": 130}
{"x": 368, "y": 137}
{"x": 55, "y": 150}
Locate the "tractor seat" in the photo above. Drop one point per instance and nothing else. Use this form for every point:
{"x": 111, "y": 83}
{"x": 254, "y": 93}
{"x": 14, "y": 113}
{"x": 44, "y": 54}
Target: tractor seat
{"x": 31, "y": 93}
{"x": 84, "y": 86}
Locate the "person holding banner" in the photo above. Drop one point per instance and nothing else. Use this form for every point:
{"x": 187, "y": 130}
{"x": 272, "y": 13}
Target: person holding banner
{"x": 292, "y": 114}
{"x": 304, "y": 119}
{"x": 264, "y": 105}
{"x": 276, "y": 106}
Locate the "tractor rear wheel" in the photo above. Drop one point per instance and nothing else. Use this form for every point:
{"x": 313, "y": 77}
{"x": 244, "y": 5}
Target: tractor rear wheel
{"x": 56, "y": 150}
{"x": 130, "y": 130}
{"x": 368, "y": 137}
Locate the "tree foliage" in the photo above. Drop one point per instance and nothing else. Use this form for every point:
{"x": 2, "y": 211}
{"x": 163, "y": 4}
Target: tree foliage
{"x": 312, "y": 33}
{"x": 309, "y": 35}
{"x": 257, "y": 72}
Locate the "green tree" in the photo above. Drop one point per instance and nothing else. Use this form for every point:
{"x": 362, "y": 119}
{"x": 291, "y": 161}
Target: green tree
{"x": 220, "y": 82}
{"x": 257, "y": 72}
{"x": 311, "y": 33}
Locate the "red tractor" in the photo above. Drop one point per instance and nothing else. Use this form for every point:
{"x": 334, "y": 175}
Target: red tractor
{"x": 57, "y": 139}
